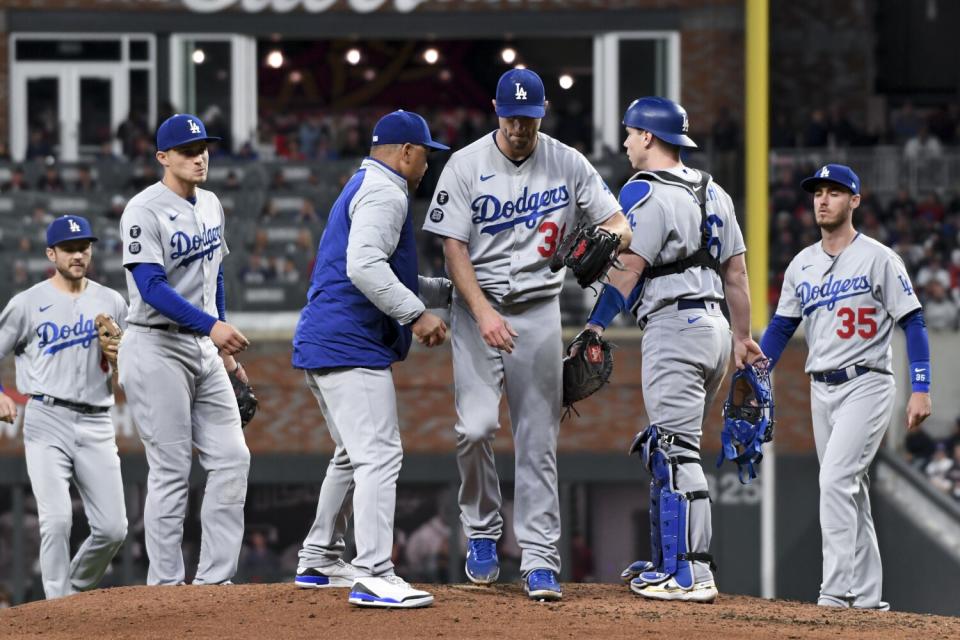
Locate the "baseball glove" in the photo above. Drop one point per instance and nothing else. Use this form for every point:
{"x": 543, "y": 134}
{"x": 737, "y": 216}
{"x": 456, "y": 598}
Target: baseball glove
{"x": 587, "y": 370}
{"x": 109, "y": 334}
{"x": 246, "y": 401}
{"x": 588, "y": 251}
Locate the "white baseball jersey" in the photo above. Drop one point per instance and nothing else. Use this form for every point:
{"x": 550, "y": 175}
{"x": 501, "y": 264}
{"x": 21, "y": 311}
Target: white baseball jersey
{"x": 513, "y": 217}
{"x": 53, "y": 337}
{"x": 160, "y": 227}
{"x": 848, "y": 303}
{"x": 667, "y": 228}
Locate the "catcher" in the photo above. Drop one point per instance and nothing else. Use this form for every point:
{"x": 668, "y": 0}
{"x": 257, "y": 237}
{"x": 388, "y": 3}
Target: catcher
{"x": 673, "y": 278}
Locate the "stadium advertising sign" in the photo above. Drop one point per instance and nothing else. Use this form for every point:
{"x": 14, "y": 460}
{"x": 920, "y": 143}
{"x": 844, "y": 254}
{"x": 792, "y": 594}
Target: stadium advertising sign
{"x": 360, "y": 6}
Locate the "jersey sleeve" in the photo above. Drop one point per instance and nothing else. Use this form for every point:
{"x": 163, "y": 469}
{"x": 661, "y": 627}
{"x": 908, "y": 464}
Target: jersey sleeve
{"x": 789, "y": 304}
{"x": 13, "y": 325}
{"x": 224, "y": 249}
{"x": 594, "y": 198}
{"x": 142, "y": 242}
{"x": 377, "y": 223}
{"x": 450, "y": 214}
{"x": 651, "y": 231}
{"x": 731, "y": 236}
{"x": 897, "y": 293}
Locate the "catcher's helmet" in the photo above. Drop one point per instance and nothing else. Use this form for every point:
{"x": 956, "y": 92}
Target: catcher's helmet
{"x": 663, "y": 118}
{"x": 747, "y": 419}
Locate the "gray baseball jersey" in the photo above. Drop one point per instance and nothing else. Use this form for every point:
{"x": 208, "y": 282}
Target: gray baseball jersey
{"x": 55, "y": 342}
{"x": 160, "y": 227}
{"x": 513, "y": 217}
{"x": 849, "y": 303}
{"x": 667, "y": 228}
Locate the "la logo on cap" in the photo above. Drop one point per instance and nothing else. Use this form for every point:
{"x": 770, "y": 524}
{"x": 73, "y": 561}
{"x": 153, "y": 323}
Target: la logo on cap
{"x": 825, "y": 172}
{"x": 74, "y": 227}
{"x": 194, "y": 127}
{"x": 521, "y": 92}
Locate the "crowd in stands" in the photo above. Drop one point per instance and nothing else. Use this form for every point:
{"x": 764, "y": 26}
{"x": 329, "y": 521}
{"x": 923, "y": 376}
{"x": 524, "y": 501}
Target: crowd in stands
{"x": 939, "y": 460}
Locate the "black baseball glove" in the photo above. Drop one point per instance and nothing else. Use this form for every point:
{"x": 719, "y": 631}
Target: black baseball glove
{"x": 588, "y": 251}
{"x": 246, "y": 401}
{"x": 588, "y": 369}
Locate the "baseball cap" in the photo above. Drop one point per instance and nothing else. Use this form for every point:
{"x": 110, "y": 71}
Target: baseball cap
{"x": 836, "y": 173}
{"x": 180, "y": 129}
{"x": 520, "y": 93}
{"x": 66, "y": 228}
{"x": 402, "y": 127}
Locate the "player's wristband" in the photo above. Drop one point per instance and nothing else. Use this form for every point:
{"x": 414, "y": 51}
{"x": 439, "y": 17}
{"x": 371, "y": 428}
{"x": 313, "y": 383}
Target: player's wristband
{"x": 609, "y": 304}
{"x": 920, "y": 376}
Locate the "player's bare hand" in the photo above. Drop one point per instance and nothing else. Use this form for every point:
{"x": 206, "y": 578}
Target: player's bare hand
{"x": 228, "y": 338}
{"x": 919, "y": 409}
{"x": 746, "y": 351}
{"x": 429, "y": 330}
{"x": 8, "y": 408}
{"x": 496, "y": 331}
{"x": 575, "y": 348}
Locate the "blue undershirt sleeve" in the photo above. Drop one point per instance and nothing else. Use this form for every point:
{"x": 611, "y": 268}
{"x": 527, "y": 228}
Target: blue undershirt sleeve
{"x": 221, "y": 296}
{"x": 152, "y": 283}
{"x": 776, "y": 337}
{"x": 918, "y": 350}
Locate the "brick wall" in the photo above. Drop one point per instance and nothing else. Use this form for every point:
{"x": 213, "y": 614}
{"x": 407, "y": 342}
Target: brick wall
{"x": 289, "y": 420}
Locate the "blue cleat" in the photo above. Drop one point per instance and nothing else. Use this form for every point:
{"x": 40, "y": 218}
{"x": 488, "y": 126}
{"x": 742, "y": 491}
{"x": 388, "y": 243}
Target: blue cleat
{"x": 542, "y": 584}
{"x": 483, "y": 566}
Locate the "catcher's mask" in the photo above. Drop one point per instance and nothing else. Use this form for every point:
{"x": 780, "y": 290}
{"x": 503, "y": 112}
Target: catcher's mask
{"x": 747, "y": 420}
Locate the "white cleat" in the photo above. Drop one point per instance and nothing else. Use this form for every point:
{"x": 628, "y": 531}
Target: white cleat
{"x": 704, "y": 592}
{"x": 388, "y": 592}
{"x": 338, "y": 575}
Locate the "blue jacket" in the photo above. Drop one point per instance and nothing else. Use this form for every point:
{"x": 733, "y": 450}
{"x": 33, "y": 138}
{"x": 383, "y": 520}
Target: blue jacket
{"x": 341, "y": 326}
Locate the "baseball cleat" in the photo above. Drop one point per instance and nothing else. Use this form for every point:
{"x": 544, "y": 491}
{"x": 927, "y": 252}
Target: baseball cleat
{"x": 338, "y": 575}
{"x": 483, "y": 566}
{"x": 635, "y": 569}
{"x": 388, "y": 592}
{"x": 705, "y": 591}
{"x": 541, "y": 584}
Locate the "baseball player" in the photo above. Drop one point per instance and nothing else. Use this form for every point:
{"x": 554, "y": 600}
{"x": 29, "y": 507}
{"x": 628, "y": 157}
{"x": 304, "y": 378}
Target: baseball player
{"x": 686, "y": 252}
{"x": 362, "y": 312}
{"x": 849, "y": 290}
{"x": 502, "y": 206}
{"x": 175, "y": 356}
{"x": 67, "y": 430}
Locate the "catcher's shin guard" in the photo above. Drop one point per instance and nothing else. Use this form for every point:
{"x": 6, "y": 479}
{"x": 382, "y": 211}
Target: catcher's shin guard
{"x": 669, "y": 511}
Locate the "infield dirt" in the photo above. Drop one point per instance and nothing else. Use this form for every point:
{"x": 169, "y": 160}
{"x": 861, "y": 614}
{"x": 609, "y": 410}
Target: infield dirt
{"x": 460, "y": 611}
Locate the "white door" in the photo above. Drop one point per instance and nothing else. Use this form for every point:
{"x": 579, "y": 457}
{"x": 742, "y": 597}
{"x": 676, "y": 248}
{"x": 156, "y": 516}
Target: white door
{"x": 68, "y": 111}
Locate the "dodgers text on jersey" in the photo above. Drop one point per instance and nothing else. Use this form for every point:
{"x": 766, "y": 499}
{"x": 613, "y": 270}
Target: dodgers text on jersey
{"x": 195, "y": 247}
{"x": 59, "y": 337}
{"x": 813, "y": 296}
{"x": 488, "y": 208}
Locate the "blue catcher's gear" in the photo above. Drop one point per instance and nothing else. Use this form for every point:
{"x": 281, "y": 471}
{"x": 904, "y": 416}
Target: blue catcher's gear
{"x": 663, "y": 118}
{"x": 669, "y": 533}
{"x": 747, "y": 420}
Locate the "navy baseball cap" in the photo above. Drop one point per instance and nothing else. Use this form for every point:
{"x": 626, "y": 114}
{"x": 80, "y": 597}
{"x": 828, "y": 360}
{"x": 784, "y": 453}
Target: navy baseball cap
{"x": 180, "y": 129}
{"x": 67, "y": 228}
{"x": 836, "y": 173}
{"x": 402, "y": 127}
{"x": 520, "y": 93}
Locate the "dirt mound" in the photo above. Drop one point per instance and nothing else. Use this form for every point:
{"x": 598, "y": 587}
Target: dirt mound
{"x": 460, "y": 611}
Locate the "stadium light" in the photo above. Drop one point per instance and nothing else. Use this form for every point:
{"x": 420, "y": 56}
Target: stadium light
{"x": 275, "y": 59}
{"x": 295, "y": 77}
{"x": 508, "y": 55}
{"x": 353, "y": 56}
{"x": 198, "y": 56}
{"x": 445, "y": 75}
{"x": 566, "y": 81}
{"x": 519, "y": 66}
{"x": 369, "y": 74}
{"x": 431, "y": 56}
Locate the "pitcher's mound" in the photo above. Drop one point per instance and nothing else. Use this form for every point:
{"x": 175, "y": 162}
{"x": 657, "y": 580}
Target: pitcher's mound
{"x": 460, "y": 611}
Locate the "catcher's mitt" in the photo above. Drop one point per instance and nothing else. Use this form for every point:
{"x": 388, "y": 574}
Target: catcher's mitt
{"x": 588, "y": 369}
{"x": 588, "y": 251}
{"x": 246, "y": 401}
{"x": 109, "y": 334}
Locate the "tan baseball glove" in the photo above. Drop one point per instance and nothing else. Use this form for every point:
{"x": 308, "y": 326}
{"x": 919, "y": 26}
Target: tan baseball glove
{"x": 109, "y": 333}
